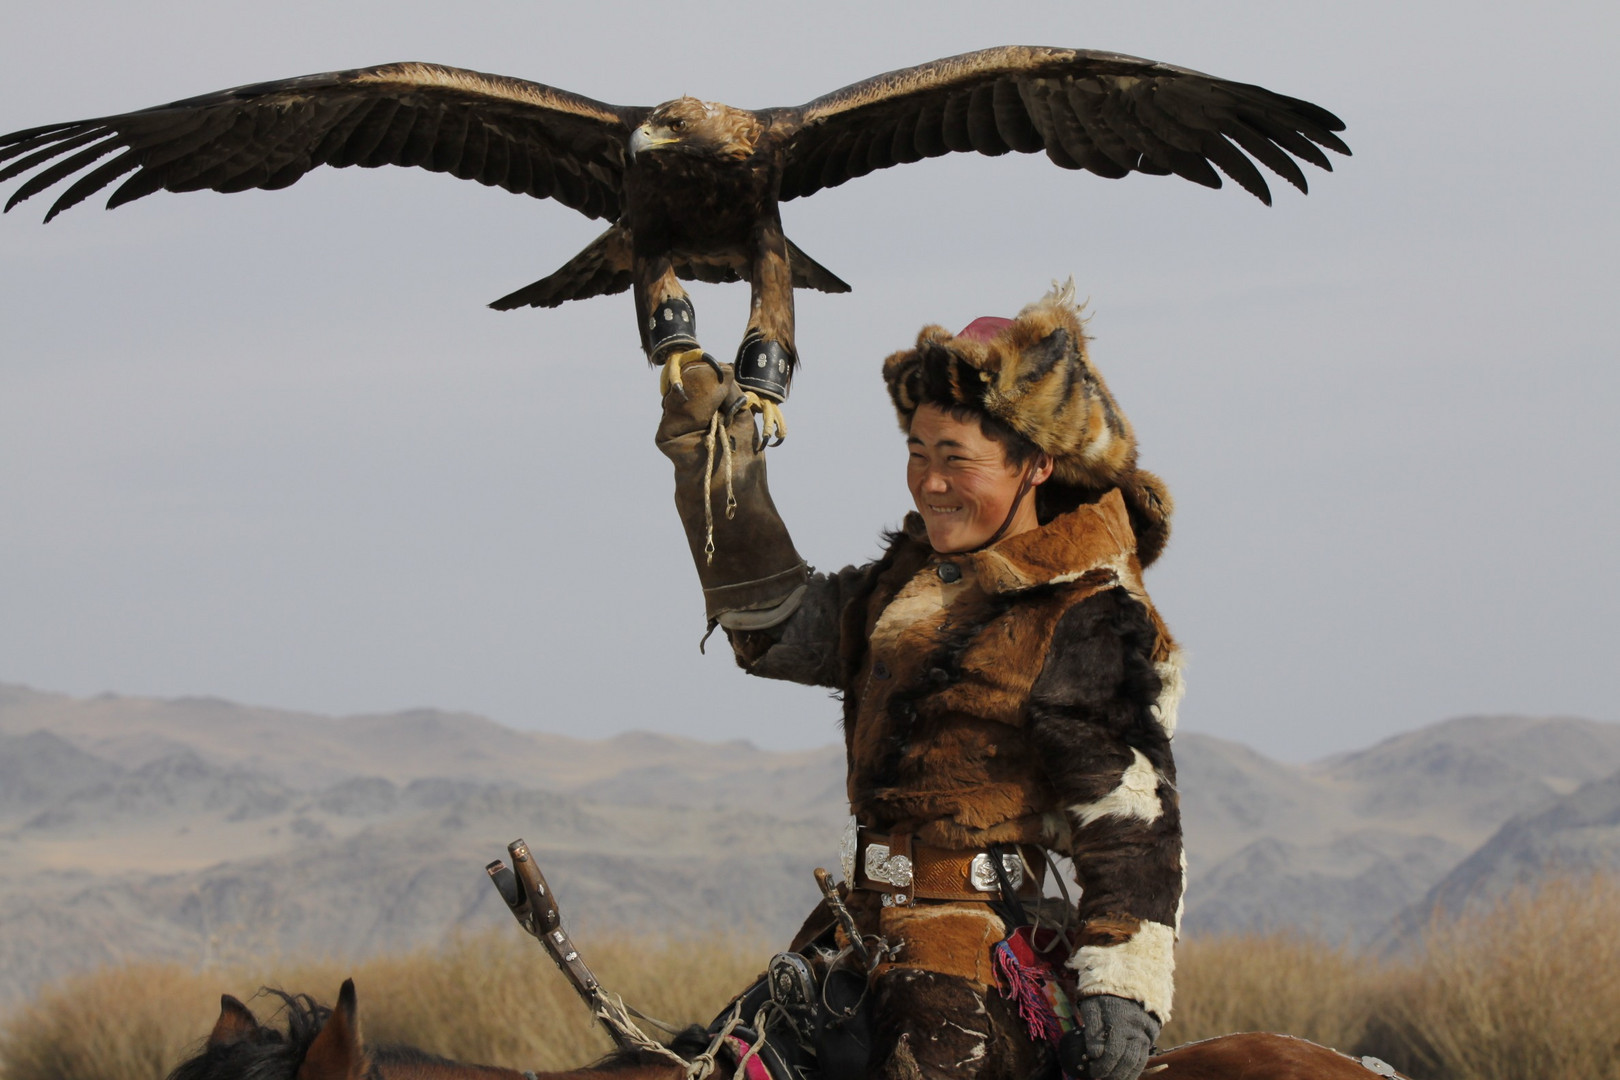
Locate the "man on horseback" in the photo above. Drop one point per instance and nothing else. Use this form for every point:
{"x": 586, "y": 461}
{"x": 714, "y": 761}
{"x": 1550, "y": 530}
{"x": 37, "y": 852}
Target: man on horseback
{"x": 1009, "y": 691}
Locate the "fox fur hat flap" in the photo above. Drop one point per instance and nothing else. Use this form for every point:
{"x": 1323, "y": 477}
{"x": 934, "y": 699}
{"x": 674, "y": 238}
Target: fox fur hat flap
{"x": 1035, "y": 375}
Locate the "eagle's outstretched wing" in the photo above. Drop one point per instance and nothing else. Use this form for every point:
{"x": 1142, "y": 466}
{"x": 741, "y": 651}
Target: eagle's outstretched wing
{"x": 522, "y": 136}
{"x": 1105, "y": 112}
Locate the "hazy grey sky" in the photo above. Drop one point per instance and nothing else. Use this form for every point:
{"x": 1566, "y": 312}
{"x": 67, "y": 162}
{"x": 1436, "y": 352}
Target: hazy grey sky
{"x": 272, "y": 447}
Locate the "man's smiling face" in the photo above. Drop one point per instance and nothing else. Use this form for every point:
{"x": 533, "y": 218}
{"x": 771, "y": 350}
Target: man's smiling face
{"x": 961, "y": 482}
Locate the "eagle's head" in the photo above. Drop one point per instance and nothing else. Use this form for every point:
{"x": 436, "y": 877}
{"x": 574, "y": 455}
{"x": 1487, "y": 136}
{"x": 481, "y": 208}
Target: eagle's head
{"x": 706, "y": 128}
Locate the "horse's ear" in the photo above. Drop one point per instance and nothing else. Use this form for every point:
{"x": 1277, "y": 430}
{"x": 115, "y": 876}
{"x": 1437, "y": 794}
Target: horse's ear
{"x": 336, "y": 1053}
{"x": 235, "y": 1023}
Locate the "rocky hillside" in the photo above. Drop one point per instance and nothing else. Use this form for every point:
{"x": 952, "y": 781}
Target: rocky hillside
{"x": 205, "y": 830}
{"x": 1571, "y": 836}
{"x": 1339, "y": 847}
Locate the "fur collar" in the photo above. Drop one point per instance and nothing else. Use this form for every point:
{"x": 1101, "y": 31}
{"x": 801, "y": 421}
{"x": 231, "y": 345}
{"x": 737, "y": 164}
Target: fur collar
{"x": 1095, "y": 538}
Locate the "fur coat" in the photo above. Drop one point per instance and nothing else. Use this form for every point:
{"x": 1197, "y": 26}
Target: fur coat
{"x": 1025, "y": 693}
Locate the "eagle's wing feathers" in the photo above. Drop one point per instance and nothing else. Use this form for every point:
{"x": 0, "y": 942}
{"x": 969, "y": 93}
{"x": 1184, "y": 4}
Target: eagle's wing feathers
{"x": 522, "y": 136}
{"x": 1107, "y": 113}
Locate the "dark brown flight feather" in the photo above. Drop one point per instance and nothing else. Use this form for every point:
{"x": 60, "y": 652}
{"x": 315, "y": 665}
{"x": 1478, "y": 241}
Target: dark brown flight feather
{"x": 699, "y": 200}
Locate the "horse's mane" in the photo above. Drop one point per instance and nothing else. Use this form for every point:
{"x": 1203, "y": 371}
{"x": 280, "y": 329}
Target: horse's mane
{"x": 268, "y": 1054}
{"x": 401, "y": 1054}
{"x": 688, "y": 1043}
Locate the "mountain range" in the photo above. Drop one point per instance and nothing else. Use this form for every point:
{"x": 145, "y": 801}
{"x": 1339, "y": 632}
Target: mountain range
{"x": 202, "y": 830}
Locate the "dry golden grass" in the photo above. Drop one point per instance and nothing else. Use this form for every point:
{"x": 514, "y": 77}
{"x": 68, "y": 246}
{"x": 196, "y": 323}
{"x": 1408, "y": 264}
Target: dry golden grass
{"x": 126, "y": 1023}
{"x": 1281, "y": 982}
{"x": 494, "y": 998}
{"x": 511, "y": 1007}
{"x": 1526, "y": 991}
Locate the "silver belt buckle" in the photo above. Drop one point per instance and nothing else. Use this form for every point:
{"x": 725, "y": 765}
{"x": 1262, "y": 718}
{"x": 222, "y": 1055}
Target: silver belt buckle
{"x": 846, "y": 850}
{"x": 890, "y": 869}
{"x": 982, "y": 875}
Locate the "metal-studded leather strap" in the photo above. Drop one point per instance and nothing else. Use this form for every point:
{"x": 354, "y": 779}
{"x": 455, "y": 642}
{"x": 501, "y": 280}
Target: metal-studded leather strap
{"x": 671, "y": 327}
{"x": 765, "y": 367}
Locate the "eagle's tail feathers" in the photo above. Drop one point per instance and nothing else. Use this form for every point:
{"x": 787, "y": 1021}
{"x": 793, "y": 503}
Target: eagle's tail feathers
{"x": 713, "y": 270}
{"x": 809, "y": 274}
{"x": 605, "y": 266}
{"x": 602, "y": 269}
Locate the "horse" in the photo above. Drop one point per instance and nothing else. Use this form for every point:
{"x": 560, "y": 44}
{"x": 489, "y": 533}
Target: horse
{"x": 323, "y": 1043}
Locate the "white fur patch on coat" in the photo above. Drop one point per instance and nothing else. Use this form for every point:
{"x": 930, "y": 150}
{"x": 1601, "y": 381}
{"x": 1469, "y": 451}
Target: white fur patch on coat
{"x": 1141, "y": 969}
{"x": 922, "y": 598}
{"x": 1181, "y": 901}
{"x": 1171, "y": 689}
{"x": 1136, "y": 796}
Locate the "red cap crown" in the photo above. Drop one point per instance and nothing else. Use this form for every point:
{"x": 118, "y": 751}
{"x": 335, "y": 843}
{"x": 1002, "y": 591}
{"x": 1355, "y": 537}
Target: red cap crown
{"x": 984, "y": 328}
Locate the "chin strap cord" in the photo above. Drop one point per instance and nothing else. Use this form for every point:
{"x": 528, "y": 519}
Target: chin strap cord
{"x": 1025, "y": 484}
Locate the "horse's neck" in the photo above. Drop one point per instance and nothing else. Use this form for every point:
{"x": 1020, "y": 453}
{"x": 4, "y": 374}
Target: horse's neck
{"x": 450, "y": 1070}
{"x": 446, "y": 1070}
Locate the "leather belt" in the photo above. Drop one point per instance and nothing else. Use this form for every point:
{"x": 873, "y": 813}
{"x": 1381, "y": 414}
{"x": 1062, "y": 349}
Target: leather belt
{"x": 904, "y": 870}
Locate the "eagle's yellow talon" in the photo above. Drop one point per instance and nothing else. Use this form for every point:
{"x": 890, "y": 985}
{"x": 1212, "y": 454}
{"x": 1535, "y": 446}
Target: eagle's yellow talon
{"x": 670, "y": 377}
{"x": 772, "y": 425}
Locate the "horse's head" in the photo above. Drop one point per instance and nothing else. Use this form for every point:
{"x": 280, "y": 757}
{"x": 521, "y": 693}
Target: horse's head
{"x": 236, "y": 1024}
{"x": 324, "y": 1044}
{"x": 319, "y": 1043}
{"x": 336, "y": 1053}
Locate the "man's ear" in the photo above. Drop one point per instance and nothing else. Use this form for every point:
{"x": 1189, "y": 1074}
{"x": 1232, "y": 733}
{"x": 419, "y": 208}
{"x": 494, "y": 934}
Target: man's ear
{"x": 1043, "y": 469}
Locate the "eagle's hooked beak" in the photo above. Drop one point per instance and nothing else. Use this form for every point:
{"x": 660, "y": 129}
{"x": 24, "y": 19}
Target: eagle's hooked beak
{"x": 643, "y": 139}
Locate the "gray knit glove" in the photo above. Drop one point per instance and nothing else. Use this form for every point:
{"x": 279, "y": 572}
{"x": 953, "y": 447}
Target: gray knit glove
{"x": 1115, "y": 1042}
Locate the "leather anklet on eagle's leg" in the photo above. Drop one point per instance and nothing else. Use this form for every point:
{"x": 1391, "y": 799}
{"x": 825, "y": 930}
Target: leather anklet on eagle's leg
{"x": 672, "y": 340}
{"x": 764, "y": 369}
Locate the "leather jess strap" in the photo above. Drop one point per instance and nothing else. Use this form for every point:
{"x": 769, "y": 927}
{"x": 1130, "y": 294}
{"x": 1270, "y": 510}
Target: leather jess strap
{"x": 904, "y": 870}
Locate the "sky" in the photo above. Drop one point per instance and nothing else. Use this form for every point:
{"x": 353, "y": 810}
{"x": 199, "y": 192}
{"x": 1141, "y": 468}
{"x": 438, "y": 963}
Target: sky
{"x": 273, "y": 447}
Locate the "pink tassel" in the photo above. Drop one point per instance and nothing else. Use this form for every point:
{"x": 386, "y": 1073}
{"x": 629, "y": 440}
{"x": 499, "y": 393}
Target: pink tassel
{"x": 1024, "y": 979}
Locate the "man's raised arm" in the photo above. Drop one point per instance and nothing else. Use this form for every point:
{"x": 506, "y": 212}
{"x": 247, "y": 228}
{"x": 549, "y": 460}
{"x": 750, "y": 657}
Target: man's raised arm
{"x": 783, "y": 621}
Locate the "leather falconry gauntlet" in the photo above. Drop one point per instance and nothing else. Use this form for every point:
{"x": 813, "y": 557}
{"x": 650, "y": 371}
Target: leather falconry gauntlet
{"x": 752, "y": 576}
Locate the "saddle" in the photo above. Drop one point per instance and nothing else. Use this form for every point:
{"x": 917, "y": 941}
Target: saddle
{"x": 807, "y": 1016}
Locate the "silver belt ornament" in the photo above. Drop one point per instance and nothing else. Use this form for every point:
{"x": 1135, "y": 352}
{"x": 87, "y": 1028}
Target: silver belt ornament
{"x": 982, "y": 873}
{"x": 895, "y": 870}
{"x": 846, "y": 850}
{"x": 890, "y": 869}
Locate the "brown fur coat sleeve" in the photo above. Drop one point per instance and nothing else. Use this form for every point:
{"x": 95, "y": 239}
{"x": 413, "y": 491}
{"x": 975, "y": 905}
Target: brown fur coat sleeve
{"x": 805, "y": 648}
{"x": 1094, "y": 722}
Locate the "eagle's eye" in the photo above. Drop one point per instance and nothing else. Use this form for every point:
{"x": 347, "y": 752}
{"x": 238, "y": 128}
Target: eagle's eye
{"x": 676, "y": 123}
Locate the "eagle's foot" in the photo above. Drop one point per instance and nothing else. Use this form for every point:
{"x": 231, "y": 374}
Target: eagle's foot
{"x": 772, "y": 425}
{"x": 669, "y": 377}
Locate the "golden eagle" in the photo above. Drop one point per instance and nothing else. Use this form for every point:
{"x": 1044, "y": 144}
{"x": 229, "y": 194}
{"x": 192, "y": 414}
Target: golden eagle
{"x": 691, "y": 187}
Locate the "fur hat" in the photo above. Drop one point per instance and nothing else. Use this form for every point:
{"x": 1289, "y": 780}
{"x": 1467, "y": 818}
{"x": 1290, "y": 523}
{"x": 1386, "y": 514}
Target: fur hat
{"x": 1035, "y": 376}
